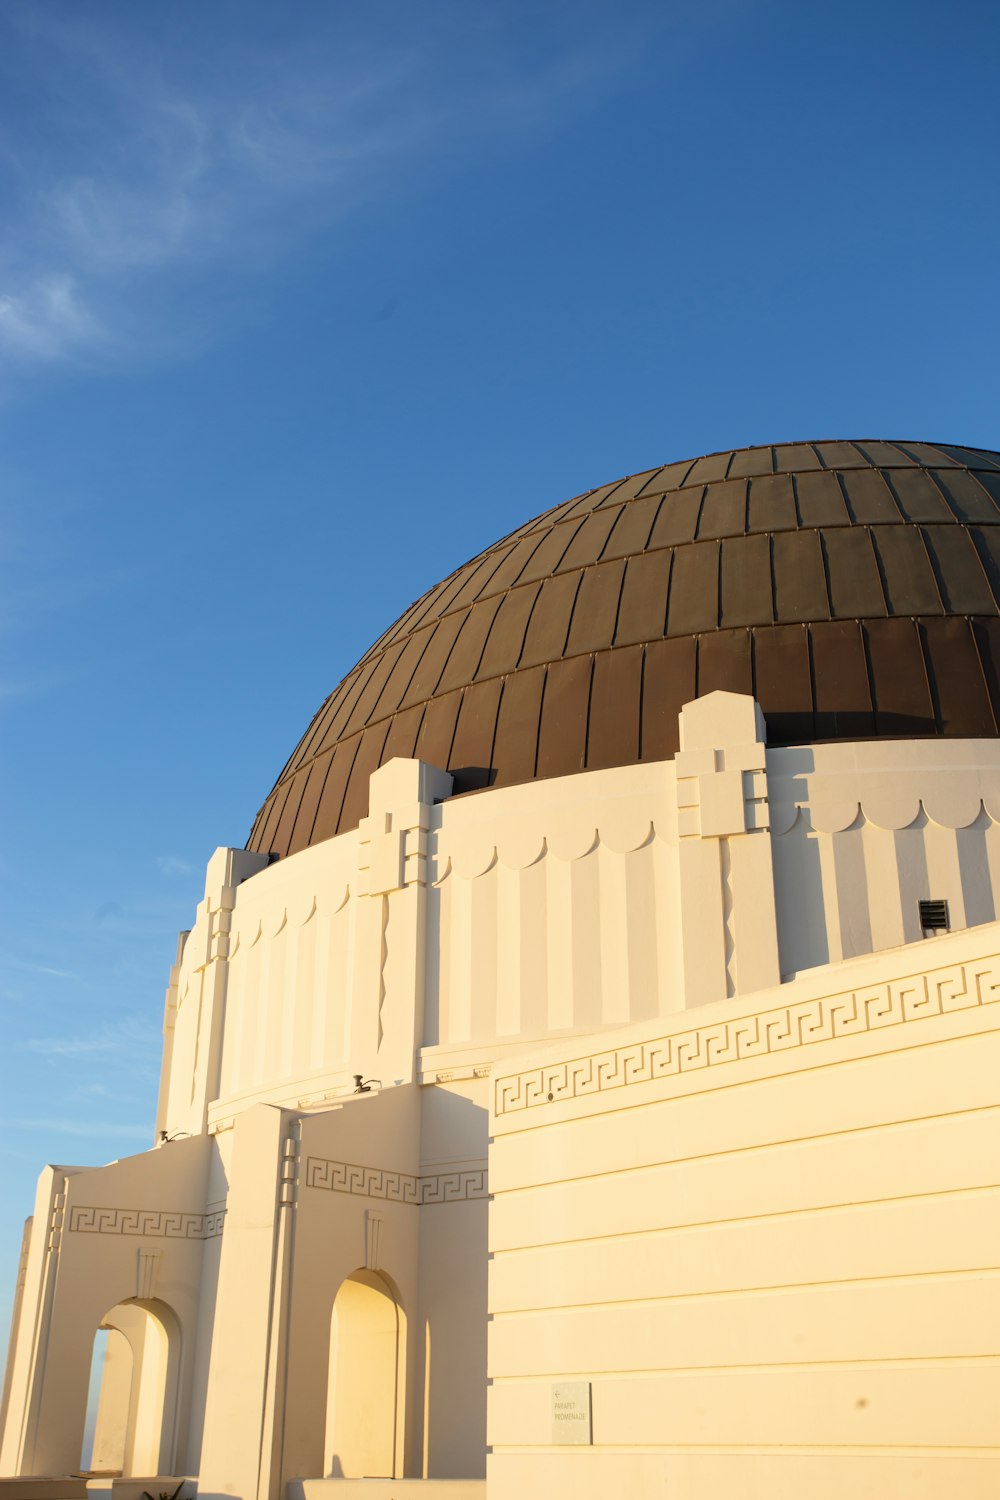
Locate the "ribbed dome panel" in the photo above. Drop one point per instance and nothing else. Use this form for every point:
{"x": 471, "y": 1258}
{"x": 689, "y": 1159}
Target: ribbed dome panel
{"x": 852, "y": 587}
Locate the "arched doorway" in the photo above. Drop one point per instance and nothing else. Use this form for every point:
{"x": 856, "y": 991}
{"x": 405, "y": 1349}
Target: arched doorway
{"x": 133, "y": 1393}
{"x": 366, "y": 1395}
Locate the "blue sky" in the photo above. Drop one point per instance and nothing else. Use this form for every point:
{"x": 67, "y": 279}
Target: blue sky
{"x": 301, "y": 306}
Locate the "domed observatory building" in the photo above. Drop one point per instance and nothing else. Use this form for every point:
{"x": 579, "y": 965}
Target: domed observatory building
{"x": 585, "y": 1081}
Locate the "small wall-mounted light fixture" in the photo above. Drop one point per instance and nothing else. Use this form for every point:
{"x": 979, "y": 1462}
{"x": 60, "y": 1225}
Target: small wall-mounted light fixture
{"x": 934, "y": 916}
{"x": 363, "y": 1085}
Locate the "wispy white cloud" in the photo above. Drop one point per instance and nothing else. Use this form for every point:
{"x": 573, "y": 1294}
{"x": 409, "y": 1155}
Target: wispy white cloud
{"x": 154, "y": 169}
{"x": 171, "y": 864}
{"x": 133, "y": 1037}
{"x": 46, "y": 319}
{"x": 89, "y": 1130}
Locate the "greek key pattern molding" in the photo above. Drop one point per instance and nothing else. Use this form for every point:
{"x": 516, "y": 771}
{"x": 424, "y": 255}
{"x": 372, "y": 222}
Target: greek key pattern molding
{"x": 395, "y": 1187}
{"x": 146, "y": 1223}
{"x": 850, "y": 1013}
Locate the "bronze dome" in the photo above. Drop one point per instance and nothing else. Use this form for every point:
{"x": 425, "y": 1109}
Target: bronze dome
{"x": 852, "y": 587}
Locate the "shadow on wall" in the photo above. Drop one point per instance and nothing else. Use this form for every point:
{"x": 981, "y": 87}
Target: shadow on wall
{"x": 454, "y": 1264}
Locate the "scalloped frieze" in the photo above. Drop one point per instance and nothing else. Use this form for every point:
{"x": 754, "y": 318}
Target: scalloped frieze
{"x": 888, "y": 801}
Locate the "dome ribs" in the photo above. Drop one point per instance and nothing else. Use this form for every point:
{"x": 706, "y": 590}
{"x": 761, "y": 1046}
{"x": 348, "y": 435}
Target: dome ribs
{"x": 918, "y": 497}
{"x": 852, "y": 573}
{"x": 614, "y": 719}
{"x": 404, "y": 728}
{"x": 669, "y": 680}
{"x": 869, "y": 498}
{"x": 467, "y": 652}
{"x": 506, "y": 639}
{"x": 908, "y": 581}
{"x": 548, "y": 626}
{"x": 549, "y": 553}
{"x": 724, "y": 510}
{"x": 796, "y": 457}
{"x": 305, "y": 815}
{"x": 378, "y": 676}
{"x": 642, "y": 610}
{"x": 397, "y": 684}
{"x": 631, "y": 531}
{"x": 670, "y": 477}
{"x": 772, "y": 504}
{"x": 437, "y": 730}
{"x": 969, "y": 500}
{"x": 820, "y": 500}
{"x": 841, "y": 455}
{"x": 957, "y": 681}
{"x": 842, "y": 696}
{"x": 693, "y": 604}
{"x": 588, "y": 543}
{"x": 903, "y": 705}
{"x": 799, "y": 577}
{"x": 367, "y": 760}
{"x": 959, "y": 572}
{"x": 783, "y": 682}
{"x": 433, "y": 659}
{"x": 677, "y": 519}
{"x": 328, "y": 813}
{"x": 471, "y": 757}
{"x": 725, "y": 662}
{"x": 987, "y": 543}
{"x": 750, "y": 462}
{"x": 515, "y": 754}
{"x": 595, "y": 612}
{"x": 928, "y": 455}
{"x": 708, "y": 469}
{"x": 746, "y": 586}
{"x": 986, "y": 634}
{"x": 854, "y": 588}
{"x": 885, "y": 455}
{"x": 562, "y": 732}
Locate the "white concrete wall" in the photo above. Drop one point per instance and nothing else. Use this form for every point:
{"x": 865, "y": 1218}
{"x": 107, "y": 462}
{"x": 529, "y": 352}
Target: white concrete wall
{"x": 568, "y": 905}
{"x": 133, "y": 1231}
{"x": 766, "y": 1236}
{"x": 442, "y": 941}
{"x": 862, "y": 833}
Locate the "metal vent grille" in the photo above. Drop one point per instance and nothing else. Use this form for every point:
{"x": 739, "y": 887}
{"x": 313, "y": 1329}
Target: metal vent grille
{"x": 934, "y": 916}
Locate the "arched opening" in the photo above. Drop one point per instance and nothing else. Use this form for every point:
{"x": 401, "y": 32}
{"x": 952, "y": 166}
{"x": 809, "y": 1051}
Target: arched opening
{"x": 133, "y": 1391}
{"x": 365, "y": 1394}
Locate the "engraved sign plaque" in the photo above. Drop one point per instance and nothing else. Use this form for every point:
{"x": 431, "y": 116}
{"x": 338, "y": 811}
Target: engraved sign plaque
{"x": 571, "y": 1418}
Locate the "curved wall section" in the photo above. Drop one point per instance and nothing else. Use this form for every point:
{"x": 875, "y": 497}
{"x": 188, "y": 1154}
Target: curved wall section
{"x": 446, "y": 931}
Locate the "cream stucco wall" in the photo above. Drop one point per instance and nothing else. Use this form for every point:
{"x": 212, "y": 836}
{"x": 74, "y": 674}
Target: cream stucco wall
{"x": 767, "y": 1239}
{"x": 433, "y": 951}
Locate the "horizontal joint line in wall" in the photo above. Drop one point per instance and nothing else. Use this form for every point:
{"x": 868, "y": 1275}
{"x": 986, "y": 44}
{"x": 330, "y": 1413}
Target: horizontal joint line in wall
{"x": 535, "y": 1117}
{"x": 776, "y": 1144}
{"x": 955, "y": 1273}
{"x": 778, "y": 1213}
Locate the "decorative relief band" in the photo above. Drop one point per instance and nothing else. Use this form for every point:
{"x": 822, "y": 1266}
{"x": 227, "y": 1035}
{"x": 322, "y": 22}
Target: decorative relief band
{"x": 454, "y": 1187}
{"x": 147, "y": 1223}
{"x": 850, "y": 1013}
{"x": 395, "y": 1187}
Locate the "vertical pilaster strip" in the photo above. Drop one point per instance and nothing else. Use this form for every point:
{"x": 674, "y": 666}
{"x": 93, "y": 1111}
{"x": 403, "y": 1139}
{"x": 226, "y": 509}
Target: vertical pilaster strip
{"x": 394, "y": 868}
{"x": 728, "y": 915}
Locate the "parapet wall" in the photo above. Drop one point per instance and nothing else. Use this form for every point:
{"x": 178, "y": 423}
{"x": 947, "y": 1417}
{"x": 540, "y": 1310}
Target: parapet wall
{"x": 465, "y": 926}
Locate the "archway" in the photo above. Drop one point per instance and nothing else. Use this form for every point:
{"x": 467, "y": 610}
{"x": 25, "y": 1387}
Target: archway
{"x": 365, "y": 1394}
{"x": 133, "y": 1395}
